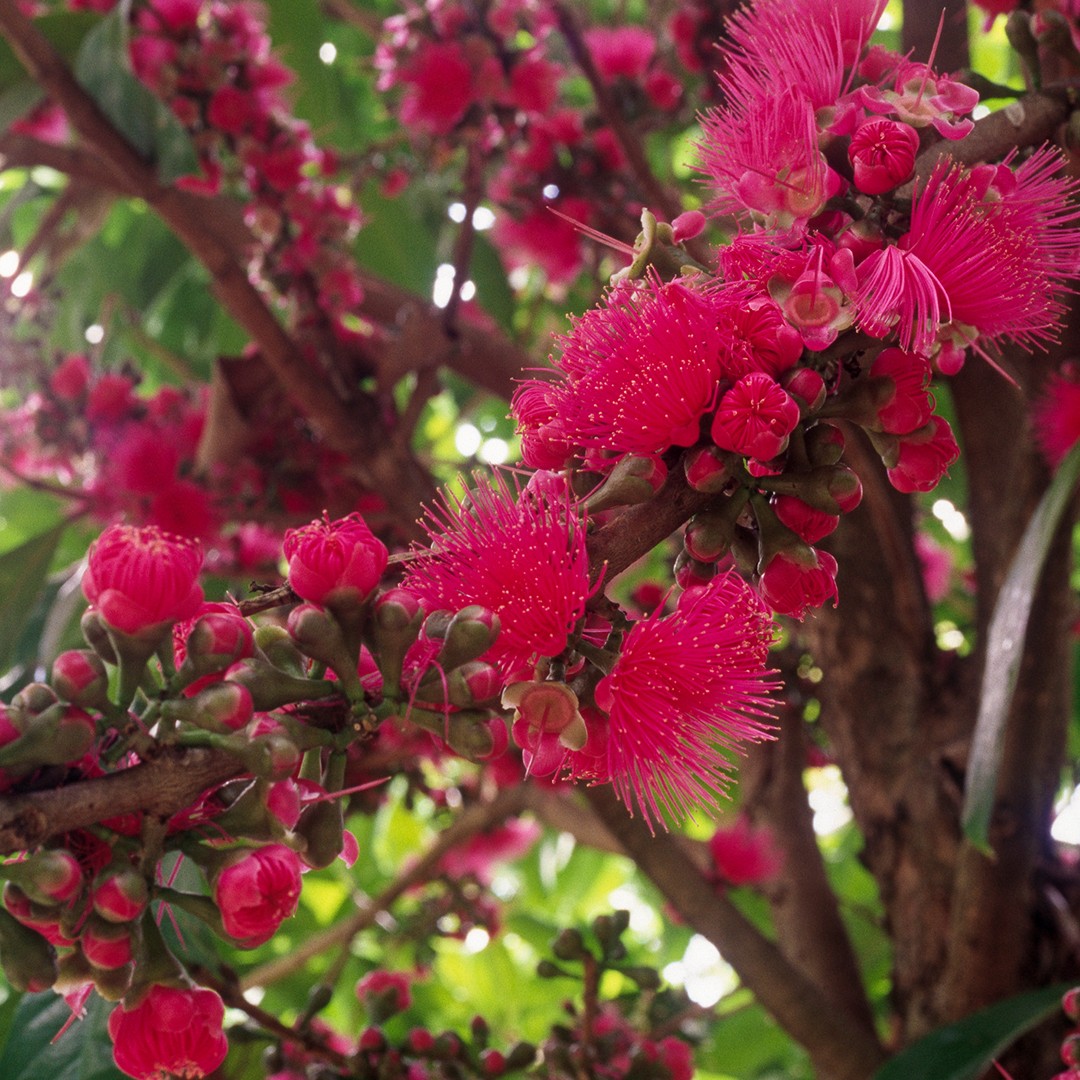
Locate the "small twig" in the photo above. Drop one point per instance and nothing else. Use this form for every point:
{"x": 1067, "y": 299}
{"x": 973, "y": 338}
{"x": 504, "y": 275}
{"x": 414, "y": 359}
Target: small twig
{"x": 471, "y": 820}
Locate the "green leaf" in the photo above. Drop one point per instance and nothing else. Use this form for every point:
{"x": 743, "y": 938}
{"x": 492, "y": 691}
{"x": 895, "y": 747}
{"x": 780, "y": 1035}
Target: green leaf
{"x": 962, "y": 1051}
{"x": 1005, "y": 648}
{"x": 103, "y": 70}
{"x": 22, "y": 577}
{"x": 83, "y": 1052}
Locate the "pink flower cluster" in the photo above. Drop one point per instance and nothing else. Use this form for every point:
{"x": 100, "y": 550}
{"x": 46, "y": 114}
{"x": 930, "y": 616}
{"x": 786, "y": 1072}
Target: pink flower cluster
{"x": 212, "y": 64}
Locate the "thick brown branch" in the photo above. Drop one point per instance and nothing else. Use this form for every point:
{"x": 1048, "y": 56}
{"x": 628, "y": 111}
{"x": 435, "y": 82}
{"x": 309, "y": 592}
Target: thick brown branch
{"x": 809, "y": 928}
{"x": 160, "y": 787}
{"x": 839, "y": 1049}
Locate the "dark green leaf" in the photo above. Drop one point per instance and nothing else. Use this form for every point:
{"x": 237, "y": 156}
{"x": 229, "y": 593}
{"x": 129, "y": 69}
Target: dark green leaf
{"x": 83, "y": 1052}
{"x": 22, "y": 577}
{"x": 962, "y": 1051}
{"x": 102, "y": 68}
{"x": 1005, "y": 648}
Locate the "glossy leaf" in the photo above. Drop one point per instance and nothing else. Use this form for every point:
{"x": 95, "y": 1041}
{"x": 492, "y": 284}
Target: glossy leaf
{"x": 83, "y": 1052}
{"x": 22, "y": 576}
{"x": 1005, "y": 649}
{"x": 964, "y": 1050}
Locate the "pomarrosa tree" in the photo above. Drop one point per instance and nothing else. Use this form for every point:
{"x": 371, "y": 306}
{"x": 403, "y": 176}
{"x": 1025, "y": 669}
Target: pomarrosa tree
{"x": 508, "y": 488}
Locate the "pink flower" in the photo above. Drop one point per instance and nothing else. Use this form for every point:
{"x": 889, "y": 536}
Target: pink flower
{"x": 1056, "y": 417}
{"x": 642, "y": 369}
{"x": 743, "y": 855}
{"x": 911, "y": 404}
{"x": 543, "y": 240}
{"x": 620, "y": 51}
{"x": 334, "y": 561}
{"x": 755, "y": 418}
{"x": 141, "y": 578}
{"x": 439, "y": 87}
{"x": 790, "y": 586}
{"x": 882, "y": 153}
{"x": 256, "y": 891}
{"x": 524, "y": 559}
{"x": 479, "y": 855}
{"x": 170, "y": 1033}
{"x": 685, "y": 691}
{"x": 71, "y": 379}
{"x": 990, "y": 248}
{"x": 807, "y": 522}
{"x": 761, "y": 154}
{"x": 924, "y": 458}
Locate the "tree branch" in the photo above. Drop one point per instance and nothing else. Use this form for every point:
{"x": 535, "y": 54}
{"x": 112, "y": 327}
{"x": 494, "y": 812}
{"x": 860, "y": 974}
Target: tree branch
{"x": 160, "y": 787}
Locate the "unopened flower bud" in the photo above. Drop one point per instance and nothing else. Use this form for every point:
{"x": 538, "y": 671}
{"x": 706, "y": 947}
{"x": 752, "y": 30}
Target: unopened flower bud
{"x": 807, "y": 522}
{"x": 32, "y": 700}
{"x": 824, "y": 444}
{"x": 43, "y": 918}
{"x": 57, "y": 736}
{"x": 395, "y": 623}
{"x": 472, "y": 683}
{"x": 221, "y": 707}
{"x": 333, "y": 563}
{"x": 278, "y": 647}
{"x": 270, "y": 687}
{"x": 1070, "y": 1004}
{"x": 79, "y": 676}
{"x": 217, "y": 640}
{"x": 635, "y": 479}
{"x": 922, "y": 459}
{"x": 106, "y": 945}
{"x": 493, "y": 1062}
{"x": 569, "y": 945}
{"x": 112, "y": 984}
{"x": 882, "y": 154}
{"x": 317, "y": 634}
{"x": 707, "y": 469}
{"x": 52, "y": 876}
{"x": 469, "y": 635}
{"x": 120, "y": 896}
{"x": 97, "y": 636}
{"x": 27, "y": 959}
{"x": 272, "y": 756}
{"x": 790, "y": 585}
{"x": 807, "y": 387}
{"x": 689, "y": 572}
{"x": 322, "y": 827}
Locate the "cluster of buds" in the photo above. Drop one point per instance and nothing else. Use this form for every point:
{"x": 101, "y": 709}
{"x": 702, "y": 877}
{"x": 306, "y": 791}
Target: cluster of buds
{"x": 1070, "y": 1047}
{"x": 602, "y": 1040}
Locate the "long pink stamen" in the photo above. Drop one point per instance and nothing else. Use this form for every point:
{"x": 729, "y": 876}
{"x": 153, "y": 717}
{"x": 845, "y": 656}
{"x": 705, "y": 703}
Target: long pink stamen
{"x": 933, "y": 53}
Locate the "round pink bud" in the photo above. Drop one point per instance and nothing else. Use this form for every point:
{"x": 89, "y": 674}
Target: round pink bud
{"x": 256, "y": 891}
{"x": 805, "y": 521}
{"x": 1070, "y": 1004}
{"x": 688, "y": 225}
{"x": 807, "y": 387}
{"x": 882, "y": 154}
{"x": 706, "y": 469}
{"x": 790, "y": 586}
{"x": 334, "y": 561}
{"x": 824, "y": 444}
{"x": 690, "y": 573}
{"x": 120, "y": 895}
{"x": 484, "y": 681}
{"x": 172, "y": 1031}
{"x": 139, "y": 578}
{"x": 217, "y": 640}
{"x": 371, "y": 1040}
{"x": 223, "y": 706}
{"x": 755, "y": 418}
{"x": 106, "y": 945}
{"x": 924, "y": 457}
{"x": 283, "y": 801}
{"x": 1070, "y": 1050}
{"x": 79, "y": 676}
{"x": 57, "y": 876}
{"x": 493, "y": 1062}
